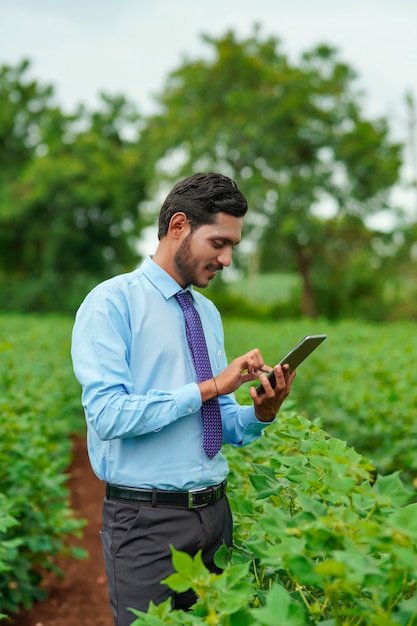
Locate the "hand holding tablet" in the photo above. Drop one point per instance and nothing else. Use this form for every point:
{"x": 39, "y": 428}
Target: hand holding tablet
{"x": 296, "y": 356}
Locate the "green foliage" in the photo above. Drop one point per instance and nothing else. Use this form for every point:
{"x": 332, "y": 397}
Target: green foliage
{"x": 69, "y": 194}
{"x": 318, "y": 526}
{"x": 402, "y": 288}
{"x": 26, "y": 106}
{"x": 347, "y": 272}
{"x": 47, "y": 293}
{"x": 325, "y": 537}
{"x": 320, "y": 535}
{"x": 39, "y": 409}
{"x": 361, "y": 382}
{"x": 73, "y": 186}
{"x": 261, "y": 297}
{"x": 293, "y": 136}
{"x": 316, "y": 540}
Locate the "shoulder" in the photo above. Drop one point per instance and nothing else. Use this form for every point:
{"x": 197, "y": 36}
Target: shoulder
{"x": 113, "y": 292}
{"x": 205, "y": 304}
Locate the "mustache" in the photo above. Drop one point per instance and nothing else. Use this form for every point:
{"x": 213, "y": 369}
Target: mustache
{"x": 215, "y": 268}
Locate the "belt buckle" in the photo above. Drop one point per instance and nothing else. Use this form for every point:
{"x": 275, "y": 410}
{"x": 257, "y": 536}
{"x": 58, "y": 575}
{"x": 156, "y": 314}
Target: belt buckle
{"x": 191, "y": 493}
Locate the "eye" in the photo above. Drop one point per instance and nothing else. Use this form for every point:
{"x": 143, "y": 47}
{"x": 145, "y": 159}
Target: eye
{"x": 218, "y": 244}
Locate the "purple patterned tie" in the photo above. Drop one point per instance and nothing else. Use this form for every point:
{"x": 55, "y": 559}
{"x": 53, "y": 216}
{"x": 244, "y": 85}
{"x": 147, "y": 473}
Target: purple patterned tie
{"x": 210, "y": 410}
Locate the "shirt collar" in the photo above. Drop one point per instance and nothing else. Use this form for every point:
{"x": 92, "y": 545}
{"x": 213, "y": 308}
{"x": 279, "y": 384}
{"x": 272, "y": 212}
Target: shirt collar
{"x": 160, "y": 279}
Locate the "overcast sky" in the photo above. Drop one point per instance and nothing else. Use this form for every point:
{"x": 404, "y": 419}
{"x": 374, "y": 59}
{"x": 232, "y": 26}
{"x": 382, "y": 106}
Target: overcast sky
{"x": 129, "y": 46}
{"x": 83, "y": 47}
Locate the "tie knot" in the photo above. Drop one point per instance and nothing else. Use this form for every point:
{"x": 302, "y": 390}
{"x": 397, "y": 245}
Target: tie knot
{"x": 184, "y": 298}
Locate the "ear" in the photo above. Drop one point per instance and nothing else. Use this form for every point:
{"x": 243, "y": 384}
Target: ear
{"x": 178, "y": 224}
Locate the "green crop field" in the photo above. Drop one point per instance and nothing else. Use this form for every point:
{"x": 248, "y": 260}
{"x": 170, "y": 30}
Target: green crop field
{"x": 361, "y": 382}
{"x": 325, "y": 526}
{"x": 39, "y": 409}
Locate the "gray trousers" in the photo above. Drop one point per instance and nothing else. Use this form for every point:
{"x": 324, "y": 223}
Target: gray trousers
{"x": 136, "y": 539}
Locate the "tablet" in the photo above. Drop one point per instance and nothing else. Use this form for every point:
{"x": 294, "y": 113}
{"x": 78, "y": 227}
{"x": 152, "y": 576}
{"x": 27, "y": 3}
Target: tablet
{"x": 295, "y": 357}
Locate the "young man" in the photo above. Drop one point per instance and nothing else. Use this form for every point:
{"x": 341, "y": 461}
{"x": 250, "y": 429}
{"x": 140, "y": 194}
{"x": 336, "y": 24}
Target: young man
{"x": 146, "y": 399}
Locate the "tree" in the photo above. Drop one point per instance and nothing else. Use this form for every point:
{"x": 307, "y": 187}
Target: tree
{"x": 69, "y": 204}
{"x": 25, "y": 107}
{"x": 293, "y": 137}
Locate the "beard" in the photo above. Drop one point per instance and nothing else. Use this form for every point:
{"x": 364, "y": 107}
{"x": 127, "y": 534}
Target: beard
{"x": 187, "y": 265}
{"x": 186, "y": 262}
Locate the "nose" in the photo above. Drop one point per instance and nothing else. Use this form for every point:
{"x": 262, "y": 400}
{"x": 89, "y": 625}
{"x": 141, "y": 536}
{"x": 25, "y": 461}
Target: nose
{"x": 225, "y": 257}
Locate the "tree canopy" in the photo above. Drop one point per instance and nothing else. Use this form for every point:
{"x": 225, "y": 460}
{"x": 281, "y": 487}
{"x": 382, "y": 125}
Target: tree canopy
{"x": 293, "y": 136}
{"x": 75, "y": 188}
{"x": 70, "y": 187}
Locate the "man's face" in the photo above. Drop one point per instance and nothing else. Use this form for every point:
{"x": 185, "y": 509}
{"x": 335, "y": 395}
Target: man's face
{"x": 206, "y": 250}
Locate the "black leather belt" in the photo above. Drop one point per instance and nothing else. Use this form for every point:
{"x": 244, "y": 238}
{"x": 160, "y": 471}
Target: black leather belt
{"x": 192, "y": 499}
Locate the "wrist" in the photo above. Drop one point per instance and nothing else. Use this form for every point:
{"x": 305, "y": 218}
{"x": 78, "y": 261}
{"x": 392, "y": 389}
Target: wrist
{"x": 208, "y": 389}
{"x": 265, "y": 418}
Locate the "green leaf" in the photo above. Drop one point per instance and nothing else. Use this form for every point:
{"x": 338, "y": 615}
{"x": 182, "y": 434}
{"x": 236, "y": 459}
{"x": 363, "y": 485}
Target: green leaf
{"x": 280, "y": 609}
{"x": 178, "y": 582}
{"x": 183, "y": 562}
{"x": 392, "y": 488}
{"x": 6, "y": 522}
{"x": 265, "y": 485}
{"x": 223, "y": 556}
{"x": 330, "y": 568}
{"x": 405, "y": 520}
{"x": 79, "y": 553}
{"x": 312, "y": 504}
{"x": 235, "y": 573}
{"x": 155, "y": 616}
{"x": 304, "y": 570}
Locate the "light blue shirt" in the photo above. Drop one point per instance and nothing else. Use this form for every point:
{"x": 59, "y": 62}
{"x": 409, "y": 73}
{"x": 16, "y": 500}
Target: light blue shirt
{"x": 139, "y": 391}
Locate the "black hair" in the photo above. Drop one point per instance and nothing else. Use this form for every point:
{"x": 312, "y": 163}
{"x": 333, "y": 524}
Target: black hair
{"x": 201, "y": 197}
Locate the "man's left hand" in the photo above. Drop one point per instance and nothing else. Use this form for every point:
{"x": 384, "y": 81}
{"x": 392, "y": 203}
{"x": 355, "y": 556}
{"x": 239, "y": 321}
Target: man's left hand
{"x": 269, "y": 403}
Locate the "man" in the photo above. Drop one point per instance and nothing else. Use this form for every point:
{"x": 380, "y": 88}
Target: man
{"x": 144, "y": 397}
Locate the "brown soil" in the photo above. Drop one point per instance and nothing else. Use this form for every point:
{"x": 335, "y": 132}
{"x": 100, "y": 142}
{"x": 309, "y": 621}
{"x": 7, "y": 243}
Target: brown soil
{"x": 80, "y": 599}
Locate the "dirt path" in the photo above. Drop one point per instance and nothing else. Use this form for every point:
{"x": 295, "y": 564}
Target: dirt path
{"x": 81, "y": 598}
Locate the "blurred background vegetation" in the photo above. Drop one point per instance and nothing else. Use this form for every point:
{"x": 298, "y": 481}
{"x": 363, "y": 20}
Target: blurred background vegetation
{"x": 80, "y": 192}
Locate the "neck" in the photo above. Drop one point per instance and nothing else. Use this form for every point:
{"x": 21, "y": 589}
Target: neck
{"x": 164, "y": 257}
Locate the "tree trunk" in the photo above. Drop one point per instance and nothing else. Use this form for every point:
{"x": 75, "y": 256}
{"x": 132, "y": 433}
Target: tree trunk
{"x": 308, "y": 305}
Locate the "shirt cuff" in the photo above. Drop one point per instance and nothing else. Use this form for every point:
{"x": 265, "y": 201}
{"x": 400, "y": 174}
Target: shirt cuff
{"x": 253, "y": 428}
{"x": 187, "y": 399}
